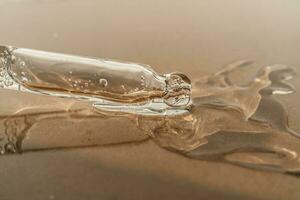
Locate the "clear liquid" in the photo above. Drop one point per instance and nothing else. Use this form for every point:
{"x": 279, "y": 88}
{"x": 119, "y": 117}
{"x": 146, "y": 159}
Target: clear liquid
{"x": 229, "y": 122}
{"x": 243, "y": 125}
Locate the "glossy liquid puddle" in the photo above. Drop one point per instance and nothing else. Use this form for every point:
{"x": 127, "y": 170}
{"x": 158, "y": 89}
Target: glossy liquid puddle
{"x": 243, "y": 125}
{"x": 239, "y": 124}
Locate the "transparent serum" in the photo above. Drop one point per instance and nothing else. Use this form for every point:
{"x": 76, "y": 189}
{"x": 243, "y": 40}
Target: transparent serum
{"x": 111, "y": 85}
{"x": 226, "y": 120}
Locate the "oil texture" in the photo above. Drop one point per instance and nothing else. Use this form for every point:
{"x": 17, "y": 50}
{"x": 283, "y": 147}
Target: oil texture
{"x": 239, "y": 124}
{"x": 242, "y": 124}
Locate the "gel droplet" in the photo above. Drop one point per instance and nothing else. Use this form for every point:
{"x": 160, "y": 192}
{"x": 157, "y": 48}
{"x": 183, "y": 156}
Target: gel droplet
{"x": 103, "y": 82}
{"x": 22, "y": 64}
{"x": 24, "y": 79}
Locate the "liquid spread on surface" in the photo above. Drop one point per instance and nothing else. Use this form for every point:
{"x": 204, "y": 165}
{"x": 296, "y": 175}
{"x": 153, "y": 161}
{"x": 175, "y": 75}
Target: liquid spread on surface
{"x": 237, "y": 123}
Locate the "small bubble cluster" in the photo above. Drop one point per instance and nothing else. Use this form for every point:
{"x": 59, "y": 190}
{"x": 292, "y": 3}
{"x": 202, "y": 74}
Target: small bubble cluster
{"x": 79, "y": 84}
{"x": 5, "y": 78}
{"x": 143, "y": 83}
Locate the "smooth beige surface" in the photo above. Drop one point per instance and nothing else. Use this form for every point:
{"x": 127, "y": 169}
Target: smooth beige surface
{"x": 194, "y": 37}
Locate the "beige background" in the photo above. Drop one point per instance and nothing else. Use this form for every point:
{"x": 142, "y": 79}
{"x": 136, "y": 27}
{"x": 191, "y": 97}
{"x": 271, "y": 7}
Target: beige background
{"x": 192, "y": 36}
